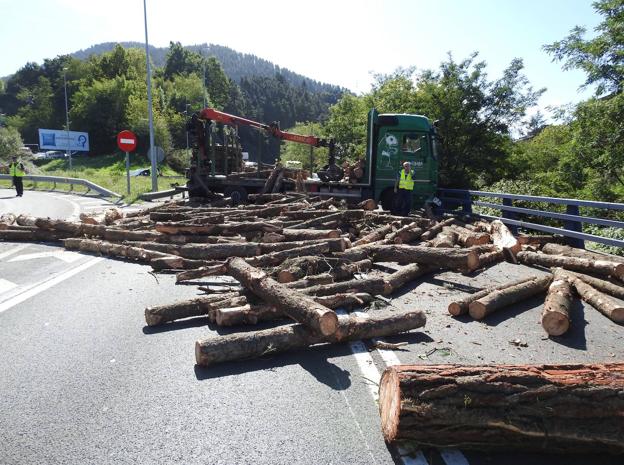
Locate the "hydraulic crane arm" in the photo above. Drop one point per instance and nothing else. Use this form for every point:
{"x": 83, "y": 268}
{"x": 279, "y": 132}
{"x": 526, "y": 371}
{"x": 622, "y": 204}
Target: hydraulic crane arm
{"x": 273, "y": 128}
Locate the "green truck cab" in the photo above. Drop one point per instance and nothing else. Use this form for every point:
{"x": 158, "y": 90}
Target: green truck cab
{"x": 393, "y": 139}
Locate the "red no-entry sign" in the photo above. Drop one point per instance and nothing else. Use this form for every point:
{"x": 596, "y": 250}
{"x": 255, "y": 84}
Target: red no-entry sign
{"x": 126, "y": 141}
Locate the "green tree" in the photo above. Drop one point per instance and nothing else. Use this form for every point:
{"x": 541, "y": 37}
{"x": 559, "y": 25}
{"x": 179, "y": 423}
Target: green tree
{"x": 601, "y": 58}
{"x": 10, "y": 143}
{"x": 292, "y": 151}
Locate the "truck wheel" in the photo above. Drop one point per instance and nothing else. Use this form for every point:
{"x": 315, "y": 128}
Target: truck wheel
{"x": 387, "y": 199}
{"x": 237, "y": 193}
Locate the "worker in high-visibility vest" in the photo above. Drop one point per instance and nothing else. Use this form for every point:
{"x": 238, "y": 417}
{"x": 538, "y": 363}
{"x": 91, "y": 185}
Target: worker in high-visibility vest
{"x": 403, "y": 190}
{"x": 16, "y": 169}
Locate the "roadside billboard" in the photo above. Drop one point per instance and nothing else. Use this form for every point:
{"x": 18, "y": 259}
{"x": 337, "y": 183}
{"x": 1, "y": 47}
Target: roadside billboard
{"x": 56, "y": 139}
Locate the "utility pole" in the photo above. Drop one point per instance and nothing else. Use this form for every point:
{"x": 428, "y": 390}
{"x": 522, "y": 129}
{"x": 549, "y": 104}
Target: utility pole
{"x": 149, "y": 106}
{"x": 67, "y": 119}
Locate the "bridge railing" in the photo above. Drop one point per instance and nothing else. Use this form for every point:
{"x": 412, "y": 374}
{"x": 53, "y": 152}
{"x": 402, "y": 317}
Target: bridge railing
{"x": 90, "y": 186}
{"x": 460, "y": 200}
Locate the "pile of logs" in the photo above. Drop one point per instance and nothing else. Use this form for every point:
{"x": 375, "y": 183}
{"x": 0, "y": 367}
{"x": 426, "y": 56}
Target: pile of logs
{"x": 299, "y": 258}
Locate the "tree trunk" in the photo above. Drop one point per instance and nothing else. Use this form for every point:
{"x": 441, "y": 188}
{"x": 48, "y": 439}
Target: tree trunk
{"x": 231, "y": 229}
{"x": 348, "y": 270}
{"x": 373, "y": 286}
{"x": 496, "y": 300}
{"x": 113, "y": 250}
{"x": 601, "y": 302}
{"x": 310, "y": 234}
{"x": 405, "y": 234}
{"x": 491, "y": 258}
{"x": 559, "y": 249}
{"x": 276, "y": 258}
{"x": 407, "y": 274}
{"x": 270, "y": 182}
{"x": 256, "y": 344}
{"x": 343, "y": 215}
{"x": 610, "y": 288}
{"x": 173, "y": 262}
{"x": 375, "y": 235}
{"x": 460, "y": 259}
{"x": 548, "y": 408}
{"x": 296, "y": 305}
{"x": 252, "y": 314}
{"x": 538, "y": 239}
{"x": 200, "y": 306}
{"x": 314, "y": 280}
{"x": 434, "y": 230}
{"x": 502, "y": 237}
{"x": 468, "y": 238}
{"x": 368, "y": 204}
{"x": 13, "y": 235}
{"x": 585, "y": 265}
{"x": 297, "y": 268}
{"x": 556, "y": 312}
{"x": 445, "y": 239}
{"x": 460, "y": 307}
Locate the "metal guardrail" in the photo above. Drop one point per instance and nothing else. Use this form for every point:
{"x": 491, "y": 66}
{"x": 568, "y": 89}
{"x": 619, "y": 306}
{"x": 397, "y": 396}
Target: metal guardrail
{"x": 62, "y": 180}
{"x": 161, "y": 194}
{"x": 572, "y": 219}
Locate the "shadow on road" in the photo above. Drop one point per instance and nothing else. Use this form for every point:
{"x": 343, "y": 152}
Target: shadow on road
{"x": 313, "y": 359}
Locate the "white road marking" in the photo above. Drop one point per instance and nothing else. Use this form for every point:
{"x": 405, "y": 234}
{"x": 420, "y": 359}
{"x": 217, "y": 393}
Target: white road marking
{"x": 373, "y": 378}
{"x": 453, "y": 457}
{"x": 75, "y": 206}
{"x": 46, "y": 284}
{"x": 67, "y": 257}
{"x": 14, "y": 250}
{"x": 6, "y": 285}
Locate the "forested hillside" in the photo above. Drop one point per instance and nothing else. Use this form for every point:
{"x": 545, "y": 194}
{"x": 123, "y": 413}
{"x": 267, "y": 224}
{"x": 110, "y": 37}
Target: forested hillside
{"x": 107, "y": 93}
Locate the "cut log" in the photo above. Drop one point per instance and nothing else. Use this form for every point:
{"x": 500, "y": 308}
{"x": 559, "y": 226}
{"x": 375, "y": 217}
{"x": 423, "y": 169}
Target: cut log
{"x": 601, "y": 302}
{"x": 600, "y": 267}
{"x": 173, "y": 262}
{"x": 231, "y": 229}
{"x": 502, "y": 237}
{"x": 252, "y": 314}
{"x": 548, "y": 408}
{"x": 202, "y": 272}
{"x": 375, "y": 235}
{"x": 538, "y": 239}
{"x": 435, "y": 229}
{"x": 559, "y": 249}
{"x": 407, "y": 274}
{"x": 373, "y": 286}
{"x": 405, "y": 234}
{"x": 310, "y": 234}
{"x": 200, "y": 306}
{"x": 296, "y": 305}
{"x": 113, "y": 250}
{"x": 460, "y": 307}
{"x": 556, "y": 312}
{"x": 498, "y": 299}
{"x": 297, "y": 268}
{"x": 615, "y": 290}
{"x": 270, "y": 182}
{"x": 12, "y": 235}
{"x": 491, "y": 258}
{"x": 275, "y": 258}
{"x": 368, "y": 204}
{"x": 348, "y": 270}
{"x": 459, "y": 259}
{"x": 468, "y": 238}
{"x": 314, "y": 280}
{"x": 256, "y": 344}
{"x": 446, "y": 238}
{"x": 343, "y": 215}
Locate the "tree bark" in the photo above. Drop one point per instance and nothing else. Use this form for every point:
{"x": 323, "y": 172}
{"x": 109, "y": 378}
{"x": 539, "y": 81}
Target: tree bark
{"x": 559, "y": 249}
{"x": 406, "y": 274}
{"x": 296, "y": 305}
{"x": 375, "y": 235}
{"x": 405, "y": 234}
{"x": 460, "y": 259}
{"x": 460, "y": 307}
{"x": 373, "y": 286}
{"x": 548, "y": 408}
{"x": 113, "y": 250}
{"x": 256, "y": 344}
{"x": 601, "y": 302}
{"x": 275, "y": 258}
{"x": 252, "y": 314}
{"x": 468, "y": 238}
{"x": 310, "y": 234}
{"x": 297, "y": 268}
{"x": 368, "y": 204}
{"x": 607, "y": 287}
{"x": 601, "y": 267}
{"x": 434, "y": 230}
{"x": 491, "y": 258}
{"x": 556, "y": 311}
{"x": 342, "y": 215}
{"x": 200, "y": 306}
{"x": 502, "y": 237}
{"x": 498, "y": 299}
{"x": 314, "y": 280}
{"x": 231, "y": 229}
{"x": 445, "y": 239}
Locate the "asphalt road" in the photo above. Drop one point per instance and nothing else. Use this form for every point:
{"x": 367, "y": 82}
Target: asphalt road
{"x": 85, "y": 381}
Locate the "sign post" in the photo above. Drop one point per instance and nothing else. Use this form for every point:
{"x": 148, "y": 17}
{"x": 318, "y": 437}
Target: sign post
{"x": 127, "y": 142}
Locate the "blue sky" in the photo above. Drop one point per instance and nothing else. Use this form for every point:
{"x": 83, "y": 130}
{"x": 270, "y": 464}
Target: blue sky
{"x": 340, "y": 42}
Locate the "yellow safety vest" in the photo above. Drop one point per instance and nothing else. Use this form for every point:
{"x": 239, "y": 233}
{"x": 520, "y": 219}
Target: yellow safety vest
{"x": 16, "y": 171}
{"x": 406, "y": 181}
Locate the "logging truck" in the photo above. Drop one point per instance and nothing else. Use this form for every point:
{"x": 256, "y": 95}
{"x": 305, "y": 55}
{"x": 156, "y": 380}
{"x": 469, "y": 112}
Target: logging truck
{"x": 391, "y": 140}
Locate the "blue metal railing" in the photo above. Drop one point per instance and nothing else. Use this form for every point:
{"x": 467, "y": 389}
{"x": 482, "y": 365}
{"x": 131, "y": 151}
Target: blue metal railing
{"x": 454, "y": 200}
